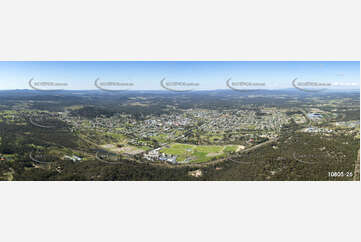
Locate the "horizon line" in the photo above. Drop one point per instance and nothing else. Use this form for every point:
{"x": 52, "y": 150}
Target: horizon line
{"x": 140, "y": 90}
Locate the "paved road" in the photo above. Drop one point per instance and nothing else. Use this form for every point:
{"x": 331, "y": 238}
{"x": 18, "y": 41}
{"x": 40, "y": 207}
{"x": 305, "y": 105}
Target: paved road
{"x": 40, "y": 126}
{"x": 259, "y": 145}
{"x": 37, "y": 161}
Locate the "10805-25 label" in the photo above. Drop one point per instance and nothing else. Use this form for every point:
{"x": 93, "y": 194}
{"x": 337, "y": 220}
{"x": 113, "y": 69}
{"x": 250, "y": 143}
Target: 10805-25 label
{"x": 340, "y": 174}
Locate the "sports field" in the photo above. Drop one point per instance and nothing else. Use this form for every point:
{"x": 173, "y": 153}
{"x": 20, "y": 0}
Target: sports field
{"x": 198, "y": 153}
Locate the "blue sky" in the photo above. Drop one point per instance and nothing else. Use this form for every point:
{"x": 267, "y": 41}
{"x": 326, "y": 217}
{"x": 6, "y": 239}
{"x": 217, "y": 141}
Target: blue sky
{"x": 147, "y": 75}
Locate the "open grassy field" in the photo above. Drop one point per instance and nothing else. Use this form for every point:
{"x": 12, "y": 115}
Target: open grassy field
{"x": 198, "y": 153}
{"x": 161, "y": 138}
{"x": 129, "y": 149}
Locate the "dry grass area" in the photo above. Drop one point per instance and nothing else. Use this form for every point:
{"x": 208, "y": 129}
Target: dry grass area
{"x": 131, "y": 150}
{"x": 196, "y": 173}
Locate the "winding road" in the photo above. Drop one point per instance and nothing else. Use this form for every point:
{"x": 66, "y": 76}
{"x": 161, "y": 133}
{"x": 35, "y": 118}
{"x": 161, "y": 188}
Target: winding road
{"x": 37, "y": 161}
{"x": 40, "y": 126}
